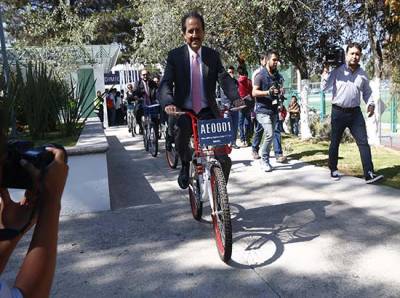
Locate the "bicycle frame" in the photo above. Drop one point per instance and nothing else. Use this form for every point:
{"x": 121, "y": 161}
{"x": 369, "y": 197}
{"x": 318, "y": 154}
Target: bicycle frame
{"x": 150, "y": 113}
{"x": 204, "y": 159}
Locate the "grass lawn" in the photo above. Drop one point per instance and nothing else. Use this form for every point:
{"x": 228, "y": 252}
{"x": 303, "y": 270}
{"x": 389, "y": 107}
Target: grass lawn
{"x": 52, "y": 137}
{"x": 56, "y": 139}
{"x": 386, "y": 161}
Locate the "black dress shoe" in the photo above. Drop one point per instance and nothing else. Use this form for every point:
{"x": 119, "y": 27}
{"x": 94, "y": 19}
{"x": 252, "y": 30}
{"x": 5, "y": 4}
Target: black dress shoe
{"x": 183, "y": 179}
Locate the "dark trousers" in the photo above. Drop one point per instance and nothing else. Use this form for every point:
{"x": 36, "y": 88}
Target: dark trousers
{"x": 111, "y": 116}
{"x": 171, "y": 126}
{"x": 279, "y": 125}
{"x": 100, "y": 113}
{"x": 138, "y": 115}
{"x": 294, "y": 126}
{"x": 244, "y": 125}
{"x": 277, "y": 138}
{"x": 354, "y": 120}
{"x": 183, "y": 133}
{"x": 258, "y": 133}
{"x": 234, "y": 115}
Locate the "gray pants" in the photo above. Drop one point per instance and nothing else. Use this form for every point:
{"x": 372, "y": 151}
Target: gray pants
{"x": 268, "y": 122}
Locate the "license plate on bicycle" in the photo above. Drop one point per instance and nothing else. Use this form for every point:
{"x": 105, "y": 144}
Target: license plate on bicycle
{"x": 215, "y": 132}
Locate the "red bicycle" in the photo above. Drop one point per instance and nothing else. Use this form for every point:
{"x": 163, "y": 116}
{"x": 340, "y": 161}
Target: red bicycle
{"x": 207, "y": 181}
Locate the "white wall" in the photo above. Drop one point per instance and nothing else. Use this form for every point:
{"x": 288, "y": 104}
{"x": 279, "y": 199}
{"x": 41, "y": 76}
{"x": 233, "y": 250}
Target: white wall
{"x": 87, "y": 185}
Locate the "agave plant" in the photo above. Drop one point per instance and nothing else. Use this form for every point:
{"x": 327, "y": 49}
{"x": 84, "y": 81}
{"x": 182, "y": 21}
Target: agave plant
{"x": 37, "y": 100}
{"x": 75, "y": 105}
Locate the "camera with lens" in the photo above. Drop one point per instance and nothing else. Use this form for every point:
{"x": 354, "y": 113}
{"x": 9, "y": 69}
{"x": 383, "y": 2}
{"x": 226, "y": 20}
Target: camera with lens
{"x": 14, "y": 175}
{"x": 334, "y": 55}
{"x": 277, "y": 98}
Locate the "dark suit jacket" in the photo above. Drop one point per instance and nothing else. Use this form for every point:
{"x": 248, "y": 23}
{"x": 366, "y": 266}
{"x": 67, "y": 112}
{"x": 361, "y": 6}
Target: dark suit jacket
{"x": 139, "y": 90}
{"x": 175, "y": 84}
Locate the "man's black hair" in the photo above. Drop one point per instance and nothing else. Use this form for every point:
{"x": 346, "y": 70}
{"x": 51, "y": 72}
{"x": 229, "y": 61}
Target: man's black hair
{"x": 191, "y": 14}
{"x": 242, "y": 70}
{"x": 271, "y": 52}
{"x": 268, "y": 54}
{"x": 231, "y": 67}
{"x": 353, "y": 45}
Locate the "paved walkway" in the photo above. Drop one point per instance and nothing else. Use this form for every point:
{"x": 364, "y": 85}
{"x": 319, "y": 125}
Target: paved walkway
{"x": 296, "y": 234}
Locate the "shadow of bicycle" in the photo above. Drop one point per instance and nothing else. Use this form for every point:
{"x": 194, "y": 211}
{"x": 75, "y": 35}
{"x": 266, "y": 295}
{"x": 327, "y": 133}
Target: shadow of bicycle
{"x": 260, "y": 234}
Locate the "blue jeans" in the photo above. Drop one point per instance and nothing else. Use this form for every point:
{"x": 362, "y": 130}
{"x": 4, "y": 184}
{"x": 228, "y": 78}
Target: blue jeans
{"x": 258, "y": 136}
{"x": 259, "y": 130}
{"x": 277, "y": 138}
{"x": 354, "y": 120}
{"x": 244, "y": 125}
{"x": 268, "y": 123}
{"x": 234, "y": 115}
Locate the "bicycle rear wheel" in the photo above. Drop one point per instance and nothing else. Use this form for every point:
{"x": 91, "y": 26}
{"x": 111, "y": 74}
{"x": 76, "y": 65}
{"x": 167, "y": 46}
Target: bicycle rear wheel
{"x": 196, "y": 205}
{"x": 221, "y": 215}
{"x": 153, "y": 140}
{"x": 146, "y": 136}
{"x": 133, "y": 126}
{"x": 172, "y": 155}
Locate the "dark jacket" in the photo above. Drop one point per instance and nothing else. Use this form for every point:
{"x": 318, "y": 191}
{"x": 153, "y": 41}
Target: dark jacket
{"x": 175, "y": 84}
{"x": 139, "y": 90}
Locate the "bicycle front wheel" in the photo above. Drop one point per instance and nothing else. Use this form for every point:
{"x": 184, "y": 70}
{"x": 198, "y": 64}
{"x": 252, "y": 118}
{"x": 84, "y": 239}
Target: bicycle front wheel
{"x": 196, "y": 205}
{"x": 153, "y": 140}
{"x": 221, "y": 215}
{"x": 133, "y": 126}
{"x": 146, "y": 136}
{"x": 171, "y": 154}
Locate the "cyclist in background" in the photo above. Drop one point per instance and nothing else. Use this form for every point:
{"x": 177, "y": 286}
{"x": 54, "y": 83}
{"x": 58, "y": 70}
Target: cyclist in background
{"x": 144, "y": 93}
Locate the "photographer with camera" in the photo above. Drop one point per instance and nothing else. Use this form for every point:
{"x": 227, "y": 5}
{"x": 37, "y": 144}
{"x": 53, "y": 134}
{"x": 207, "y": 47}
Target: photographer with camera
{"x": 268, "y": 91}
{"x": 40, "y": 206}
{"x": 349, "y": 82}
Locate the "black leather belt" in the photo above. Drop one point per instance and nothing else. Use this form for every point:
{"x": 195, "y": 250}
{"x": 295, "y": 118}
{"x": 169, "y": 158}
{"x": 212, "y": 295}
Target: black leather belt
{"x": 346, "y": 110}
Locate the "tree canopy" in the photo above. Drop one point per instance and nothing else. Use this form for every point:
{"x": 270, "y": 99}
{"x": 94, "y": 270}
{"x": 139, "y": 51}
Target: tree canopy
{"x": 299, "y": 30}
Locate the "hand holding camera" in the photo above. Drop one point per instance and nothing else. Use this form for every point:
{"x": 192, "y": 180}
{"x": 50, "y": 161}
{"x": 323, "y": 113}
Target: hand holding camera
{"x": 43, "y": 172}
{"x": 334, "y": 56}
{"x": 325, "y": 69}
{"x": 15, "y": 175}
{"x": 273, "y": 90}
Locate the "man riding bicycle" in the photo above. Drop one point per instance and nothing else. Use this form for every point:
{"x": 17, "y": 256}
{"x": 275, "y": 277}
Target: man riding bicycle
{"x": 144, "y": 93}
{"x": 189, "y": 84}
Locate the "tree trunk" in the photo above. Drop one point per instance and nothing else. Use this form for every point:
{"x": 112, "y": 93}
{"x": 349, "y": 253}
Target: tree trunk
{"x": 375, "y": 45}
{"x": 373, "y": 123}
{"x": 303, "y": 88}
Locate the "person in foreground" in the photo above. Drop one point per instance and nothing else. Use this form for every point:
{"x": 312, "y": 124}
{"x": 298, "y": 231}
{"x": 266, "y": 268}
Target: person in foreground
{"x": 349, "y": 82}
{"x": 39, "y": 207}
{"x": 189, "y": 84}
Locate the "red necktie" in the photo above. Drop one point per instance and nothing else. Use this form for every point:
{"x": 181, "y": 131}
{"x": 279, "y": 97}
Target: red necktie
{"x": 196, "y": 85}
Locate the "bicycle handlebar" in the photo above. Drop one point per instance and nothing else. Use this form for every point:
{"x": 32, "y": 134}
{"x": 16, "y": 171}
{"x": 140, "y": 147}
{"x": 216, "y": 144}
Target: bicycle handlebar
{"x": 227, "y": 109}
